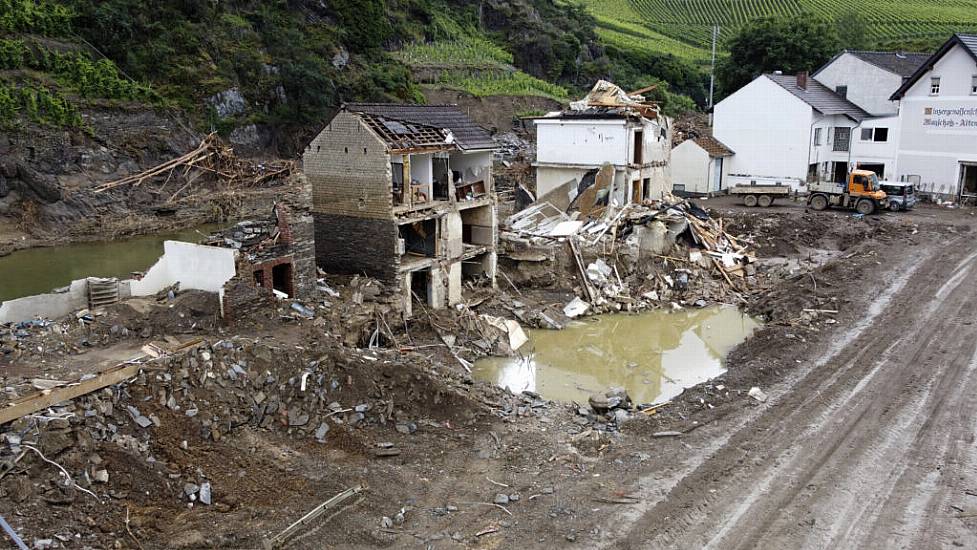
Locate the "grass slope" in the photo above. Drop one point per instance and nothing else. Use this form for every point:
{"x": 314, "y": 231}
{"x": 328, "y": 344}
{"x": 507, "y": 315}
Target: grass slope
{"x": 684, "y": 27}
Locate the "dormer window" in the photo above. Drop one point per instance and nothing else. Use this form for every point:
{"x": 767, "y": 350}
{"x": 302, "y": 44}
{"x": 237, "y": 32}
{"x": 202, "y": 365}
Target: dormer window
{"x": 935, "y": 85}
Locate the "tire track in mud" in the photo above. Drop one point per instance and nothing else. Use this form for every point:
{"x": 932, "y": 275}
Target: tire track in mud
{"x": 850, "y": 447}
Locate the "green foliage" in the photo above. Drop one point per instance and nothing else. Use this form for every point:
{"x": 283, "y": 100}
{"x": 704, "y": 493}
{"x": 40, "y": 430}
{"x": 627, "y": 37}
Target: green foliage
{"x": 854, "y": 30}
{"x": 789, "y": 44}
{"x": 75, "y": 71}
{"x": 916, "y": 24}
{"x": 38, "y": 105}
{"x": 365, "y": 23}
{"x": 470, "y": 51}
{"x": 494, "y": 83}
{"x": 34, "y": 16}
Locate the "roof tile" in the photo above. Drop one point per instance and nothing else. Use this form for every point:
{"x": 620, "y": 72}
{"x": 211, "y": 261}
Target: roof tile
{"x": 467, "y": 134}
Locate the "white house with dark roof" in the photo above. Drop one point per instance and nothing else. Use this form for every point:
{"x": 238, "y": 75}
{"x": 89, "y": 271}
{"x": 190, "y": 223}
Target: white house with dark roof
{"x": 700, "y": 166}
{"x": 788, "y": 128}
{"x": 868, "y": 79}
{"x": 937, "y": 145}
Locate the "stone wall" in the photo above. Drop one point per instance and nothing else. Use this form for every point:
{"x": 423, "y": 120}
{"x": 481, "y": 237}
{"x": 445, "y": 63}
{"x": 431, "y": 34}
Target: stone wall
{"x": 352, "y": 245}
{"x": 302, "y": 247}
{"x": 349, "y": 169}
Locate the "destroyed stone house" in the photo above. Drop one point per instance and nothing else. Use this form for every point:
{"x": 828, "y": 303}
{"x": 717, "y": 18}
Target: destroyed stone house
{"x": 404, "y": 193}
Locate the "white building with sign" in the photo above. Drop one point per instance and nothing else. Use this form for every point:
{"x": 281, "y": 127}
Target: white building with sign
{"x": 937, "y": 146}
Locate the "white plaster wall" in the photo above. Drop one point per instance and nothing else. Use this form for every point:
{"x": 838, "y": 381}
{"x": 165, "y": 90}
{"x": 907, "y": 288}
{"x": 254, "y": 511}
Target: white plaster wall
{"x": 869, "y": 86}
{"x": 454, "y": 283}
{"x": 657, "y": 147}
{"x": 451, "y": 228}
{"x": 549, "y": 178}
{"x": 938, "y": 132}
{"x": 691, "y": 167}
{"x": 49, "y": 306}
{"x": 825, "y": 152}
{"x": 473, "y": 166}
{"x": 590, "y": 142}
{"x": 194, "y": 266}
{"x": 769, "y": 129}
{"x": 875, "y": 152}
{"x": 421, "y": 168}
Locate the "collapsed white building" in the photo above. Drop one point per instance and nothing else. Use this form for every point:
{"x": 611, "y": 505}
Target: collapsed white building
{"x": 607, "y": 127}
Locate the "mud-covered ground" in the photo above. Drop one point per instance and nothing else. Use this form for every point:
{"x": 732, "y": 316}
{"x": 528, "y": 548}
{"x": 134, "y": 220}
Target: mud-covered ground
{"x": 866, "y": 438}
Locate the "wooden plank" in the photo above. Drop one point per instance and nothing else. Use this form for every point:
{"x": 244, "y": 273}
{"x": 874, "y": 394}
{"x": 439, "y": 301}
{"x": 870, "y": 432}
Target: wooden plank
{"x": 30, "y": 404}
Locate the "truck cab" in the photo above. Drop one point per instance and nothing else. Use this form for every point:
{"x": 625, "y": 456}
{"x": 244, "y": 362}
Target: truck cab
{"x": 900, "y": 195}
{"x": 860, "y": 192}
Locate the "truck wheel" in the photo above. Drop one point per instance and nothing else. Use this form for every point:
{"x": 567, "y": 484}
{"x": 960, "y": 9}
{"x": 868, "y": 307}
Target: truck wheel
{"x": 765, "y": 200}
{"x": 750, "y": 200}
{"x": 894, "y": 206}
{"x": 865, "y": 207}
{"x": 819, "y": 202}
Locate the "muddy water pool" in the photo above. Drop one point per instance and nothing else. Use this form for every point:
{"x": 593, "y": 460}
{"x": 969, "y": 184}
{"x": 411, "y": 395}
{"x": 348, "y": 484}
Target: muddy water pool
{"x": 40, "y": 270}
{"x": 654, "y": 355}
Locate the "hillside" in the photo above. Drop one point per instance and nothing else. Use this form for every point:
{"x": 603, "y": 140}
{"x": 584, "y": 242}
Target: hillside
{"x": 684, "y": 27}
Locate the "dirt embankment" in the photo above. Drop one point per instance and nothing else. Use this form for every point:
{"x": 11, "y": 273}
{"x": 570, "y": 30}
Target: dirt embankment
{"x": 270, "y": 419}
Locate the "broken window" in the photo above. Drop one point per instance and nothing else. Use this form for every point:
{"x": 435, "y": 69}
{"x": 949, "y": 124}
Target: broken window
{"x": 639, "y": 147}
{"x": 397, "y": 171}
{"x": 842, "y": 91}
{"x": 442, "y": 178}
{"x": 935, "y": 85}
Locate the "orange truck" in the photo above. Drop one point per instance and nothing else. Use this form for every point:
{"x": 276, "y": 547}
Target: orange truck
{"x": 859, "y": 192}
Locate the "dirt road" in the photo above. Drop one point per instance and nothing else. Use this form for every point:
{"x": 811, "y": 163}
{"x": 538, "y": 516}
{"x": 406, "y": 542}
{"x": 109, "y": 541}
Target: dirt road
{"x": 869, "y": 445}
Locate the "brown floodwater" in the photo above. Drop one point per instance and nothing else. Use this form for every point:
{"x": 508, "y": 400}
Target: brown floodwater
{"x": 654, "y": 355}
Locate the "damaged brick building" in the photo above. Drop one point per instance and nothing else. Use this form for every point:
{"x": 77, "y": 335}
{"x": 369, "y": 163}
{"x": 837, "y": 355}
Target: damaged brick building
{"x": 404, "y": 193}
{"x": 276, "y": 254}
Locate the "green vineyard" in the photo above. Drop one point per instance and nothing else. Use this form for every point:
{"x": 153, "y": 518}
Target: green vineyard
{"x": 684, "y": 27}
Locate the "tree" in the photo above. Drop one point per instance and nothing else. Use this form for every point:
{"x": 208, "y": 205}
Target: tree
{"x": 794, "y": 44}
{"x": 853, "y": 30}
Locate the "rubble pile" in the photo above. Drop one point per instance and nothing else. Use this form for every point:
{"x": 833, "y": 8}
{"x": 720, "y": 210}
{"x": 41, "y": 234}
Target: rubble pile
{"x": 666, "y": 253}
{"x": 151, "y": 439}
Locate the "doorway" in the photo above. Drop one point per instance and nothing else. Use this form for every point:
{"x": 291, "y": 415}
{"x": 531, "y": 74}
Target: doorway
{"x": 968, "y": 179}
{"x": 281, "y": 277}
{"x": 420, "y": 287}
{"x": 717, "y": 175}
{"x": 839, "y": 172}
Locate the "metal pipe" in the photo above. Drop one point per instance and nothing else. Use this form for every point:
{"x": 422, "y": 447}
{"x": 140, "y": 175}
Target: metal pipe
{"x": 12, "y": 534}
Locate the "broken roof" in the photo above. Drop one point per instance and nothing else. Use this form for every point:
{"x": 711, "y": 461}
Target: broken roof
{"x": 821, "y": 98}
{"x": 899, "y": 63}
{"x": 966, "y": 41}
{"x": 466, "y": 135}
{"x": 713, "y": 146}
{"x": 611, "y": 100}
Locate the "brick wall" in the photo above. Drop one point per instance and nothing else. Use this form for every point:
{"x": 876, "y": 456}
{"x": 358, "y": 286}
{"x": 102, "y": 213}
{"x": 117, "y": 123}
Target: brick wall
{"x": 351, "y": 245}
{"x": 349, "y": 169}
